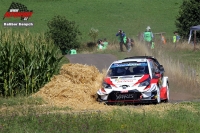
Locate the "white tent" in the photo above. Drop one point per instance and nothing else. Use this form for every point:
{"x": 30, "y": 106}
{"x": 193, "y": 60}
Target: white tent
{"x": 193, "y": 28}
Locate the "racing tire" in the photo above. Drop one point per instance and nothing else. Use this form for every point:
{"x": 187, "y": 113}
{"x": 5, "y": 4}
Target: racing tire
{"x": 98, "y": 99}
{"x": 158, "y": 100}
{"x": 167, "y": 100}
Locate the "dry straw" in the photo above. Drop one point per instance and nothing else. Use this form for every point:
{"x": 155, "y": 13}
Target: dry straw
{"x": 75, "y": 87}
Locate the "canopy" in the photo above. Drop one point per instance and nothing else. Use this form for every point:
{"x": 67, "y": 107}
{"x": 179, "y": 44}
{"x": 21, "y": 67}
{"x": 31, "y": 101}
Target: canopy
{"x": 191, "y": 29}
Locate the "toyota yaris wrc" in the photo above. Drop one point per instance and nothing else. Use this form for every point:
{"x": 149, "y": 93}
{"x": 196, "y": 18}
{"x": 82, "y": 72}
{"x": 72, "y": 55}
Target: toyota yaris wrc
{"x": 138, "y": 79}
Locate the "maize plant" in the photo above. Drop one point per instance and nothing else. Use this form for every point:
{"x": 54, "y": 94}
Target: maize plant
{"x": 27, "y": 62}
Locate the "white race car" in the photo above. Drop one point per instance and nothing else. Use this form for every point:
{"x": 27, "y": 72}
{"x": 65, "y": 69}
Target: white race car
{"x": 138, "y": 79}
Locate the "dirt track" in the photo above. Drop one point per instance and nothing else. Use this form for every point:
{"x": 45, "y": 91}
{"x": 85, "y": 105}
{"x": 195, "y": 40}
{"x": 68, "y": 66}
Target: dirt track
{"x": 102, "y": 61}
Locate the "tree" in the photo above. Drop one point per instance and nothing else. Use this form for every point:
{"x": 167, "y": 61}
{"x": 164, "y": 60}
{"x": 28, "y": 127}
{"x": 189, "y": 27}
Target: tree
{"x": 189, "y": 15}
{"x": 64, "y": 33}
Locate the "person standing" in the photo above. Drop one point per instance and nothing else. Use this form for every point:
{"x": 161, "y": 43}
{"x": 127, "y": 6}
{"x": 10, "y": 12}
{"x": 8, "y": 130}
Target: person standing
{"x": 176, "y": 38}
{"x": 122, "y": 39}
{"x": 163, "y": 40}
{"x": 130, "y": 44}
{"x": 148, "y": 36}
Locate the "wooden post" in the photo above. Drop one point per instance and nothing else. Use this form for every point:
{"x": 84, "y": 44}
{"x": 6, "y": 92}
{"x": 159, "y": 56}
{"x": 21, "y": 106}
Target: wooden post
{"x": 194, "y": 40}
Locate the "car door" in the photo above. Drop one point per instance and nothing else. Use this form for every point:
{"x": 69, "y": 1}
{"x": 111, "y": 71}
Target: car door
{"x": 156, "y": 73}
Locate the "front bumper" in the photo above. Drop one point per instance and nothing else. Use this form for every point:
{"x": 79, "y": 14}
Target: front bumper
{"x": 129, "y": 97}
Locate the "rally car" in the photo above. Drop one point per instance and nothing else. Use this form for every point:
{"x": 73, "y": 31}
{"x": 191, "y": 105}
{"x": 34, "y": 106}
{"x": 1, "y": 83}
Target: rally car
{"x": 138, "y": 79}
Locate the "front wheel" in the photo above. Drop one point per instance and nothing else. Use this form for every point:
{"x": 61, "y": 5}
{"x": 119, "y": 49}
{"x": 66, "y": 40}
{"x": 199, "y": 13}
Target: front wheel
{"x": 158, "y": 100}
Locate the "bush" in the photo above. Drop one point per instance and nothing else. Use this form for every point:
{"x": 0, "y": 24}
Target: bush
{"x": 64, "y": 33}
{"x": 27, "y": 62}
{"x": 93, "y": 34}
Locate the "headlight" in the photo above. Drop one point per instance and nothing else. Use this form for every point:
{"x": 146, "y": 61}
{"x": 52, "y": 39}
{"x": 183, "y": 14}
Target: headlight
{"x": 107, "y": 86}
{"x": 145, "y": 83}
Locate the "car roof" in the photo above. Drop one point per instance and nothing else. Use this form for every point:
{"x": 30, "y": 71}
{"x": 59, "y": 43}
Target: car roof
{"x": 143, "y": 57}
{"x": 131, "y": 60}
{"x": 139, "y": 57}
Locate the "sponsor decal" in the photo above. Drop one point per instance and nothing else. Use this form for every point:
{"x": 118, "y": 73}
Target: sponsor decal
{"x": 124, "y": 96}
{"x": 128, "y": 64}
{"x": 124, "y": 80}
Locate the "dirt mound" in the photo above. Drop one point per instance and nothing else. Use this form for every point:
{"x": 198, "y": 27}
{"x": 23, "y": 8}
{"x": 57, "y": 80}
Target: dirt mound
{"x": 75, "y": 87}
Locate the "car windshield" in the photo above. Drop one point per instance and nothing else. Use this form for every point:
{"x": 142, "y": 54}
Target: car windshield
{"x": 123, "y": 69}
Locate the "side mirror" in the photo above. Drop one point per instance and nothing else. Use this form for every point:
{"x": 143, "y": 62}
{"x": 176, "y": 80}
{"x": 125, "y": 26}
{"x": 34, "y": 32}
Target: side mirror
{"x": 161, "y": 68}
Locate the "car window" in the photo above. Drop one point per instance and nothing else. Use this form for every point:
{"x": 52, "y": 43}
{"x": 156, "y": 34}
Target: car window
{"x": 138, "y": 68}
{"x": 154, "y": 66}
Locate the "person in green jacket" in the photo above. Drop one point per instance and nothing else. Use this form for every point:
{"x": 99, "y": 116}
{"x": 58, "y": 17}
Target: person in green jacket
{"x": 148, "y": 36}
{"x": 176, "y": 38}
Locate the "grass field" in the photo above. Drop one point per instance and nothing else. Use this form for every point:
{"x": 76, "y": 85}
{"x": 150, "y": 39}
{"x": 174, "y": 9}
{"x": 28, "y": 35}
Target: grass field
{"x": 33, "y": 115}
{"x": 106, "y": 16}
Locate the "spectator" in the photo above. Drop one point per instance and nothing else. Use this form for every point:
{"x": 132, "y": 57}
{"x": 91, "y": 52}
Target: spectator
{"x": 130, "y": 43}
{"x": 148, "y": 36}
{"x": 122, "y": 39}
{"x": 163, "y": 40}
{"x": 105, "y": 43}
{"x": 176, "y": 38}
{"x": 99, "y": 44}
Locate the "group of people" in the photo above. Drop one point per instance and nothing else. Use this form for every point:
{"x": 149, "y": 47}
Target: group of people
{"x": 129, "y": 43}
{"x": 148, "y": 38}
{"x": 123, "y": 40}
{"x": 126, "y": 41}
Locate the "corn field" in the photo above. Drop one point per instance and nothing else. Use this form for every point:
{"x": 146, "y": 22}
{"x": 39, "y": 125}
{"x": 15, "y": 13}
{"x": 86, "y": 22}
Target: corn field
{"x": 27, "y": 62}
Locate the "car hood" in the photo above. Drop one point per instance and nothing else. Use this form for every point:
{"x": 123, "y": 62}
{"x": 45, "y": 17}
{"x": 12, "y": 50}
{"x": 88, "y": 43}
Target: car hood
{"x": 128, "y": 81}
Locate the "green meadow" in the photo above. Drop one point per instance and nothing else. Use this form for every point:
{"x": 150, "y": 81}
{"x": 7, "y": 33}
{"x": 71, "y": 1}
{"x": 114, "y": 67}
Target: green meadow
{"x": 25, "y": 114}
{"x": 106, "y": 15}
